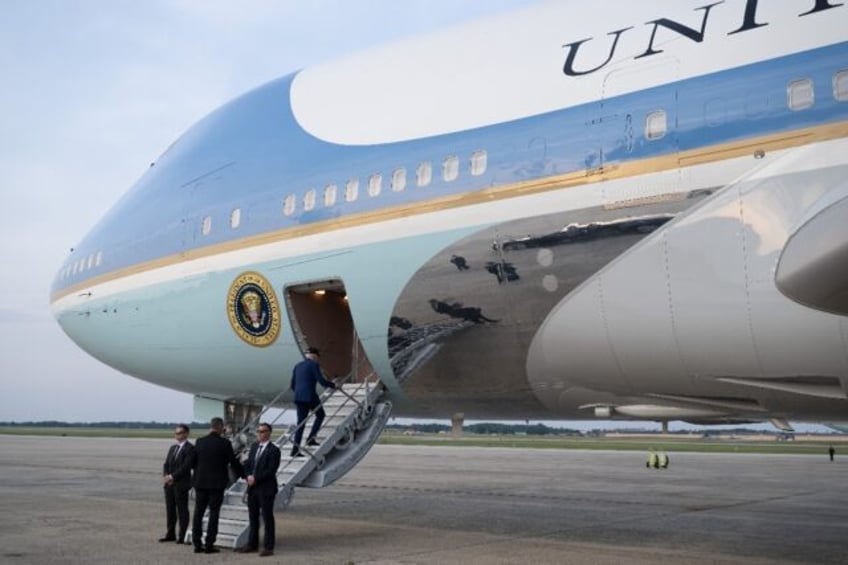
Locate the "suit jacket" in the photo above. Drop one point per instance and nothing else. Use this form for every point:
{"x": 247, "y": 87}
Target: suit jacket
{"x": 305, "y": 376}
{"x": 263, "y": 469}
{"x": 213, "y": 454}
{"x": 179, "y": 467}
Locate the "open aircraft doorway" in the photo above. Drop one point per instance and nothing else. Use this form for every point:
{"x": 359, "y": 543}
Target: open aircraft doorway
{"x": 320, "y": 317}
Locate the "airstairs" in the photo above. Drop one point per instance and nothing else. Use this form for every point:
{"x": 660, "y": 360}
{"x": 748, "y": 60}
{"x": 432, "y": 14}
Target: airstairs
{"x": 355, "y": 417}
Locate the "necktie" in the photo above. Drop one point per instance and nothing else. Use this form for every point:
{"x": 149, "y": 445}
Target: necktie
{"x": 259, "y": 453}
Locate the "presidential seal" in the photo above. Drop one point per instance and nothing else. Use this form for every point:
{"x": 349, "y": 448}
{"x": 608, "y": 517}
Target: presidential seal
{"x": 253, "y": 309}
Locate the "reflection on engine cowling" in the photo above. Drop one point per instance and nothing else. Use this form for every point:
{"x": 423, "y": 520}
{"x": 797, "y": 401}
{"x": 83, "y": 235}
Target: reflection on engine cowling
{"x": 489, "y": 293}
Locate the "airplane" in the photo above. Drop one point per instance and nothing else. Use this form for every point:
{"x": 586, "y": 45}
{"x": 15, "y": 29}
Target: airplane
{"x": 556, "y": 213}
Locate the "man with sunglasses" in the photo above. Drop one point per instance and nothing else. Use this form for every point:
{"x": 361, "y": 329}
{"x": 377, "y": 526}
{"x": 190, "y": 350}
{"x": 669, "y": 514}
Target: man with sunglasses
{"x": 261, "y": 471}
{"x": 176, "y": 478}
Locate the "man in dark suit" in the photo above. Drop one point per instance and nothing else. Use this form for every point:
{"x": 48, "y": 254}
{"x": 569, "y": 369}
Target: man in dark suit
{"x": 213, "y": 454}
{"x": 305, "y": 376}
{"x": 261, "y": 471}
{"x": 176, "y": 478}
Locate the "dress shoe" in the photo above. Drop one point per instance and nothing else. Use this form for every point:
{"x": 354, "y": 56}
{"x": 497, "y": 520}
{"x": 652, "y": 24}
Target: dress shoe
{"x": 246, "y": 549}
{"x": 212, "y": 550}
{"x": 180, "y": 542}
{"x": 296, "y": 453}
{"x": 266, "y": 552}
{"x": 167, "y": 538}
{"x": 198, "y": 549}
{"x": 312, "y": 441}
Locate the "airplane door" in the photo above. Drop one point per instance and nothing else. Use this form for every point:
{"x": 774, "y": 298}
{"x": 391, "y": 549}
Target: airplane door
{"x": 631, "y": 126}
{"x": 320, "y": 317}
{"x": 197, "y": 219}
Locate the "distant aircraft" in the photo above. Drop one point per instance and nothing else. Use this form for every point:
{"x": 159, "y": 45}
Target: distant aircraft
{"x": 563, "y": 212}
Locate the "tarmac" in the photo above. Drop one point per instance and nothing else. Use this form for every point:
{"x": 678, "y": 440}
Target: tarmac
{"x": 99, "y": 500}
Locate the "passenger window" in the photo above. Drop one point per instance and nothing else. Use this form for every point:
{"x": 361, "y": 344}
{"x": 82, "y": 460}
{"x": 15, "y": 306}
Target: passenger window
{"x": 330, "y": 195}
{"x": 352, "y": 190}
{"x": 424, "y": 174}
{"x": 235, "y": 218}
{"x": 206, "y": 226}
{"x": 398, "y": 179}
{"x": 655, "y": 125}
{"x": 800, "y": 94}
{"x": 309, "y": 200}
{"x": 840, "y": 85}
{"x": 478, "y": 163}
{"x": 375, "y": 184}
{"x": 99, "y": 259}
{"x": 289, "y": 204}
{"x": 450, "y": 168}
{"x": 90, "y": 261}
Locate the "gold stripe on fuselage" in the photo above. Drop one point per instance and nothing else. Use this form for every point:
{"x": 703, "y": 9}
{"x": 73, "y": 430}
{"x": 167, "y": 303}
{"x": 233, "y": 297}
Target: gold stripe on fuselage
{"x": 691, "y": 158}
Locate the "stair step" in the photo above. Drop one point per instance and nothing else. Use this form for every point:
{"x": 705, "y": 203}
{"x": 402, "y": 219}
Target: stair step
{"x": 341, "y": 410}
{"x": 225, "y": 540}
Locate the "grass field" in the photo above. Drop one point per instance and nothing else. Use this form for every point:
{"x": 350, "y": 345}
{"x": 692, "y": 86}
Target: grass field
{"x": 816, "y": 445}
{"x": 87, "y": 432}
{"x": 670, "y": 443}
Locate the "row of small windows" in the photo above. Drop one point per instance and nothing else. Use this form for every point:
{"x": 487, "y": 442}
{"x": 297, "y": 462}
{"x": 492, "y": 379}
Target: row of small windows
{"x": 374, "y": 187}
{"x": 81, "y": 265}
{"x": 800, "y": 95}
{"x": 398, "y": 182}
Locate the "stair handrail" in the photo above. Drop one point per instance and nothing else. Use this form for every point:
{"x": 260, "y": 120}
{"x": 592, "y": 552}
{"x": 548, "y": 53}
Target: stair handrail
{"x": 289, "y": 434}
{"x": 245, "y": 430}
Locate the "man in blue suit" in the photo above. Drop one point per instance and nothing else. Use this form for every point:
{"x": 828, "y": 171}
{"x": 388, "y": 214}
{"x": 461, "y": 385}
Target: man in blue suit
{"x": 305, "y": 376}
{"x": 261, "y": 471}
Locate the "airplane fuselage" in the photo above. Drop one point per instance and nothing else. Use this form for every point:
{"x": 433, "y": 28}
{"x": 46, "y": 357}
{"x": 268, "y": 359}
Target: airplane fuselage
{"x": 603, "y": 216}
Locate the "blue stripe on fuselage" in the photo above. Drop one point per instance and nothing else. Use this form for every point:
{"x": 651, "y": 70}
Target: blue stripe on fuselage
{"x": 251, "y": 153}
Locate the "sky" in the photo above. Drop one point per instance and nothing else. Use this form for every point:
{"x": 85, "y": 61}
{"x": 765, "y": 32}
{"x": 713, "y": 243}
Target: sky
{"x": 92, "y": 93}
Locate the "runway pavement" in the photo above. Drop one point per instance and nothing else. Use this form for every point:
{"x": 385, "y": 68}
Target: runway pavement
{"x": 99, "y": 500}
